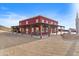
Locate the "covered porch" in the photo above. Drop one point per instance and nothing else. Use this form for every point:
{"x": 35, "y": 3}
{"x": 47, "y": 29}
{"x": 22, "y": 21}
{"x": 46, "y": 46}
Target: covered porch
{"x": 39, "y": 29}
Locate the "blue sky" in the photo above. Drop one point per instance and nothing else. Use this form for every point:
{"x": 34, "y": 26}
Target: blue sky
{"x": 11, "y": 14}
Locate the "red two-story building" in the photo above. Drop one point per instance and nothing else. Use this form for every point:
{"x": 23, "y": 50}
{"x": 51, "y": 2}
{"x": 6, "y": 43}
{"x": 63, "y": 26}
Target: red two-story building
{"x": 38, "y": 25}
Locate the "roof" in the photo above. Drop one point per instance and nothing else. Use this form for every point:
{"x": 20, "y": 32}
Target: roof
{"x": 39, "y": 16}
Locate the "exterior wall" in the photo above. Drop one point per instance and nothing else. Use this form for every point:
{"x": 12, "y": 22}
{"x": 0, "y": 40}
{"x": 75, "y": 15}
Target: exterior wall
{"x": 36, "y": 20}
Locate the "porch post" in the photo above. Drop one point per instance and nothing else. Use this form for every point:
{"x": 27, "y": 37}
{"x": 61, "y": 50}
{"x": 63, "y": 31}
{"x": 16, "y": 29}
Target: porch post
{"x": 56, "y": 30}
{"x": 34, "y": 29}
{"x": 61, "y": 29}
{"x": 40, "y": 31}
{"x": 48, "y": 30}
{"x": 45, "y": 29}
{"x": 31, "y": 30}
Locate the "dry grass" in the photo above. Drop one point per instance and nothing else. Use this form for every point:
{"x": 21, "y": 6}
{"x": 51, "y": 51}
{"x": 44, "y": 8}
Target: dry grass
{"x": 3, "y": 28}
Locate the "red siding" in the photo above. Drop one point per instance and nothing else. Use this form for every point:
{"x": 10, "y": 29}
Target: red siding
{"x": 39, "y": 18}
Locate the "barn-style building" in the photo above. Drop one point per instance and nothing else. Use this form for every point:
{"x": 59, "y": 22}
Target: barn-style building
{"x": 38, "y": 25}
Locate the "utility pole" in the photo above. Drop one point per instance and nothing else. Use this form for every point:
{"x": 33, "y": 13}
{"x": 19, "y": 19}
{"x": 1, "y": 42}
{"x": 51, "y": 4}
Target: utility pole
{"x": 77, "y": 23}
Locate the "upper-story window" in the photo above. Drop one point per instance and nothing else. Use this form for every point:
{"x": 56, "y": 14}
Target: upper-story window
{"x": 42, "y": 20}
{"x": 26, "y": 22}
{"x": 36, "y": 20}
{"x": 46, "y": 21}
{"x": 51, "y": 22}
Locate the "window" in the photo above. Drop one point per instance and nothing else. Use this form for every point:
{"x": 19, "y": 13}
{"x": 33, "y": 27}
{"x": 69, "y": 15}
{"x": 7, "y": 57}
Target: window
{"x": 32, "y": 29}
{"x": 46, "y": 29}
{"x": 26, "y": 30}
{"x": 37, "y": 29}
{"x": 51, "y": 22}
{"x": 43, "y": 29}
{"x": 26, "y": 22}
{"x": 36, "y": 20}
{"x": 42, "y": 21}
{"x": 46, "y": 21}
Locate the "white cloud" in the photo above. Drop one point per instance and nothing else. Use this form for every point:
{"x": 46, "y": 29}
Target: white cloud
{"x": 12, "y": 19}
{"x": 12, "y": 15}
{"x": 76, "y": 7}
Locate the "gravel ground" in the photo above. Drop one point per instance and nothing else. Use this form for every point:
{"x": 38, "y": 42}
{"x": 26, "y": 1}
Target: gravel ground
{"x": 8, "y": 39}
{"x": 24, "y": 45}
{"x": 20, "y": 44}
